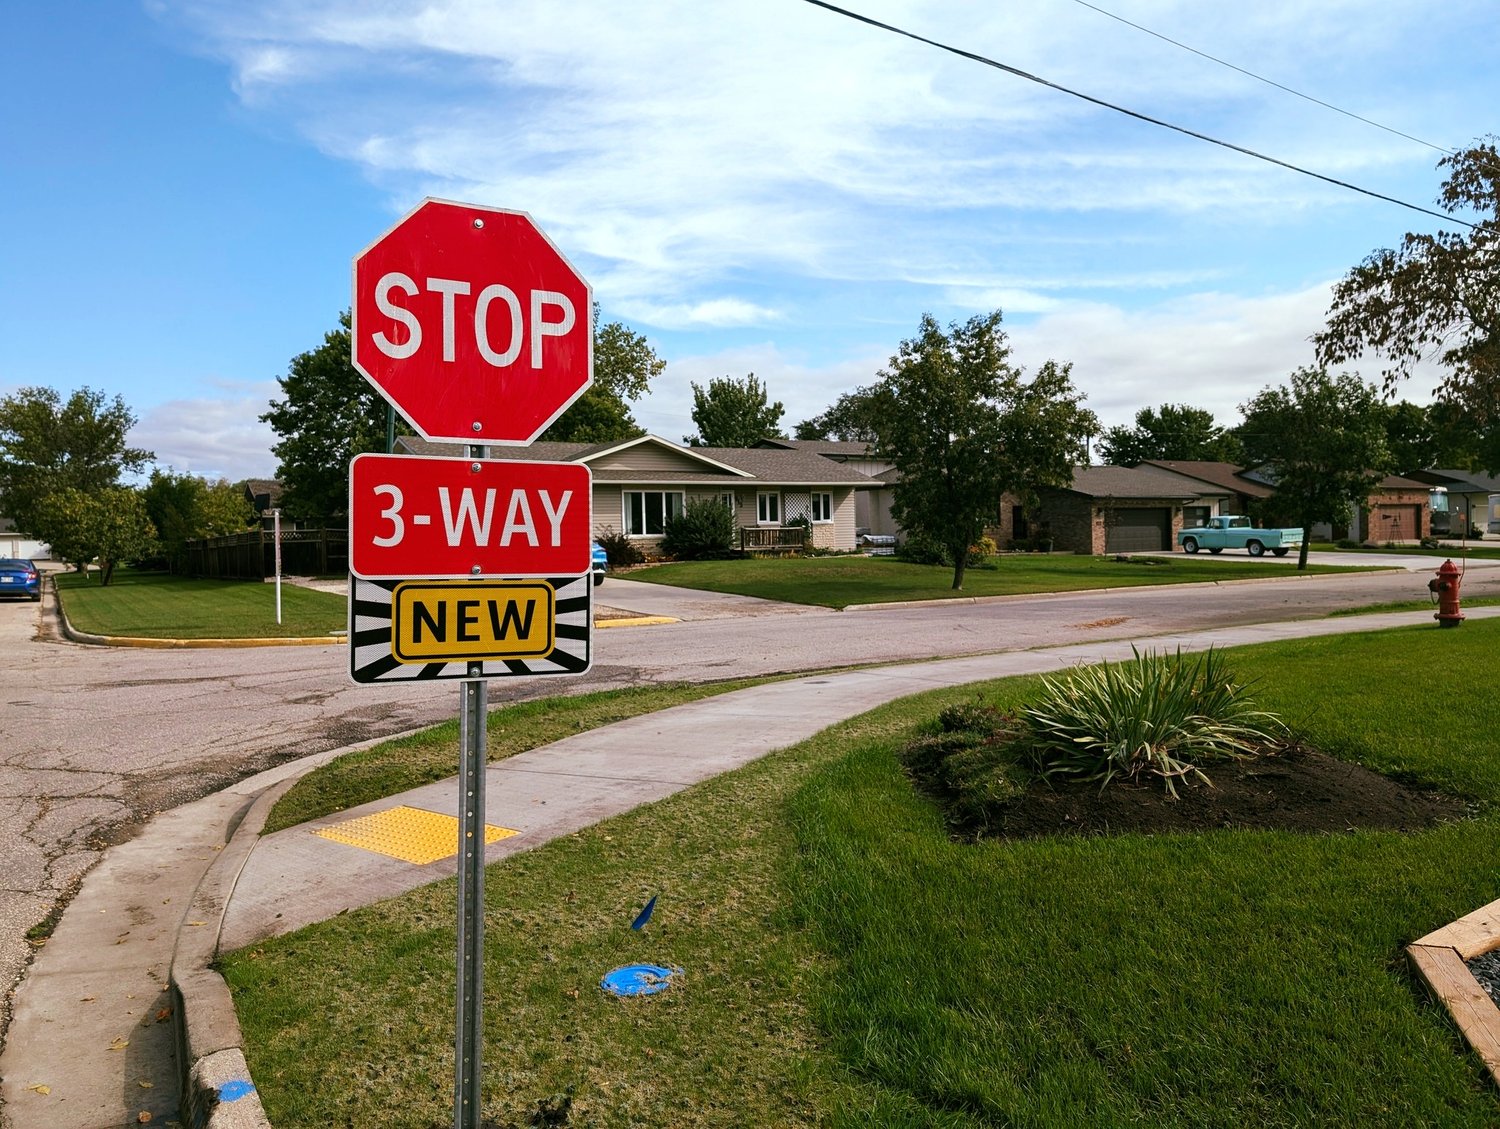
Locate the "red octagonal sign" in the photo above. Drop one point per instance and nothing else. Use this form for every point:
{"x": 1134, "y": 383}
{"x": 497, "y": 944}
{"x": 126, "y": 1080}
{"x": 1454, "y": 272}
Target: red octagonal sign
{"x": 472, "y": 323}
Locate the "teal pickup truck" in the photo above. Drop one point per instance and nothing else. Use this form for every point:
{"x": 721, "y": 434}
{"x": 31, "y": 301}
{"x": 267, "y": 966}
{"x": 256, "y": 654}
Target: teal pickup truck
{"x": 1231, "y": 532}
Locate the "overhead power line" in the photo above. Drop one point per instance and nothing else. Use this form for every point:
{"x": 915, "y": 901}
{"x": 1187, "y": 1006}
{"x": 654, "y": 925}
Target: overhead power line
{"x": 986, "y": 61}
{"x": 1262, "y": 78}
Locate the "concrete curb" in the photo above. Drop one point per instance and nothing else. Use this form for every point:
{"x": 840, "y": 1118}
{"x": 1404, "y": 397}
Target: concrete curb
{"x": 1090, "y": 591}
{"x": 636, "y": 621}
{"x": 217, "y": 1091}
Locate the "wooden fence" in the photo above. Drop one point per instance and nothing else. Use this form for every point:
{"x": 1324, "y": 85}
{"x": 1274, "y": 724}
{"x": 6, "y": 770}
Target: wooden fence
{"x": 252, "y": 555}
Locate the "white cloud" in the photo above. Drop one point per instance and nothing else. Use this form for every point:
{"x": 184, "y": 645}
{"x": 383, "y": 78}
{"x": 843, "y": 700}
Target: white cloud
{"x": 804, "y": 389}
{"x": 212, "y": 437}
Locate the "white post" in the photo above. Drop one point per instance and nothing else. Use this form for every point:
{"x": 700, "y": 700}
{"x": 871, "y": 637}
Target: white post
{"x": 276, "y": 539}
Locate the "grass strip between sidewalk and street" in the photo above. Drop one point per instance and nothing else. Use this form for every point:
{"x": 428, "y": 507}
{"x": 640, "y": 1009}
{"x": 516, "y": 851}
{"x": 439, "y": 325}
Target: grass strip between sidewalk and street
{"x": 838, "y": 581}
{"x": 432, "y": 754}
{"x": 158, "y": 605}
{"x": 847, "y": 962}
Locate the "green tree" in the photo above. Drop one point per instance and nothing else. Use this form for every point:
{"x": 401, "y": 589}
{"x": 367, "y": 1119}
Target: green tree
{"x": 624, "y": 366}
{"x": 734, "y": 413}
{"x": 1173, "y": 431}
{"x": 328, "y": 414}
{"x": 1410, "y": 437}
{"x": 48, "y": 444}
{"x": 1322, "y": 441}
{"x": 852, "y": 418}
{"x": 108, "y": 525}
{"x": 1437, "y": 296}
{"x": 963, "y": 427}
{"x": 184, "y": 507}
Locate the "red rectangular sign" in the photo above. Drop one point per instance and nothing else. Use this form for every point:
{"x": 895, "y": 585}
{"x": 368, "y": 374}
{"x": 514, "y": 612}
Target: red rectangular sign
{"x": 444, "y": 518}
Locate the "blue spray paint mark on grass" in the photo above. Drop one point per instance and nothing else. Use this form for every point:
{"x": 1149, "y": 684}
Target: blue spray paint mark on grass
{"x": 638, "y": 980}
{"x": 234, "y": 1091}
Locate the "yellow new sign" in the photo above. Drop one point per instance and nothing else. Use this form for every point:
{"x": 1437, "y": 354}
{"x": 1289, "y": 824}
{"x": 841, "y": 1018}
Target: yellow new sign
{"x": 461, "y": 620}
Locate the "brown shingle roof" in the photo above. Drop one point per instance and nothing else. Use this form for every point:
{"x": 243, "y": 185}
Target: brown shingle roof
{"x": 1226, "y": 475}
{"x": 767, "y": 465}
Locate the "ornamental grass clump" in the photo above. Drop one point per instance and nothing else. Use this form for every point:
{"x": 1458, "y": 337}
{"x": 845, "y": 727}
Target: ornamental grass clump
{"x": 1160, "y": 715}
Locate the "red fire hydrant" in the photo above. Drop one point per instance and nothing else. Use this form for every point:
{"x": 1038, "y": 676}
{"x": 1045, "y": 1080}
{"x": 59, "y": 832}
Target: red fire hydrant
{"x": 1444, "y": 586}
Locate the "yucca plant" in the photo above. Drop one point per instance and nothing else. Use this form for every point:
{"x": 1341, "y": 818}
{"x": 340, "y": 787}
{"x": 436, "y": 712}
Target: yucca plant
{"x": 1160, "y": 715}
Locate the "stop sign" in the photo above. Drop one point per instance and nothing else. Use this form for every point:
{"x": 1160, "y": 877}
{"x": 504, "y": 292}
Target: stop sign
{"x": 472, "y": 323}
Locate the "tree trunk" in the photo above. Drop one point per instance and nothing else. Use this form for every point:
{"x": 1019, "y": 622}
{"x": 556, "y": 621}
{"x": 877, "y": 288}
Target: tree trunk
{"x": 1302, "y": 549}
{"x": 960, "y": 560}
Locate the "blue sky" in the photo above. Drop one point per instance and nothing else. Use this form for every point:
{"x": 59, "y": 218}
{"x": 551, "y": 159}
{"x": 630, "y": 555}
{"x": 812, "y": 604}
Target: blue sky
{"x": 756, "y": 185}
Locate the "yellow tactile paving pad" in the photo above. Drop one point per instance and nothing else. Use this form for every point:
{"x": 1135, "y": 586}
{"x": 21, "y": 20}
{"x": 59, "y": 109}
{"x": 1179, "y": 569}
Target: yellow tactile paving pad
{"x": 409, "y": 834}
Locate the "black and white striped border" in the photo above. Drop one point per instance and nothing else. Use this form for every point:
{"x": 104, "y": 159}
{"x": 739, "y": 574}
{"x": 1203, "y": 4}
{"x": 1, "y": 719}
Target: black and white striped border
{"x": 370, "y": 658}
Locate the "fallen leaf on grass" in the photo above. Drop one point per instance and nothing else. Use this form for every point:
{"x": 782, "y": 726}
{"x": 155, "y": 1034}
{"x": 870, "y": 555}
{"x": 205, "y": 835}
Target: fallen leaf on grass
{"x": 143, "y": 1084}
{"x": 163, "y": 1015}
{"x": 143, "y": 1117}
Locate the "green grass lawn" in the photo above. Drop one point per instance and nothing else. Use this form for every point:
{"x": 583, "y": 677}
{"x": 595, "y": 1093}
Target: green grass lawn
{"x": 156, "y": 605}
{"x": 847, "y": 963}
{"x": 836, "y": 582}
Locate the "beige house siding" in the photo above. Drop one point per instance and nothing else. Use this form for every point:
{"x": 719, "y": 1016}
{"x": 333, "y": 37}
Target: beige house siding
{"x": 839, "y": 533}
{"x": 653, "y": 458}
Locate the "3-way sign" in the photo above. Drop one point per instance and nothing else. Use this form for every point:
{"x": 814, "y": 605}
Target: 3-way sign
{"x": 467, "y": 518}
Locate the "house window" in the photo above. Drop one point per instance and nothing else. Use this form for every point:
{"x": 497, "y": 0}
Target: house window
{"x": 1195, "y": 517}
{"x": 822, "y": 507}
{"x": 727, "y": 500}
{"x": 646, "y": 512}
{"x": 768, "y": 509}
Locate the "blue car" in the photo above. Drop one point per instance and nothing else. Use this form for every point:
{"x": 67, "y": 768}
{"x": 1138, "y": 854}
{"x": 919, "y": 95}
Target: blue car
{"x": 22, "y": 578}
{"x": 601, "y": 563}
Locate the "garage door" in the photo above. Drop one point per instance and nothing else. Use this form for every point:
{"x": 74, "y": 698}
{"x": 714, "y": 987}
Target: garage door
{"x": 1395, "y": 523}
{"x": 1137, "y": 531}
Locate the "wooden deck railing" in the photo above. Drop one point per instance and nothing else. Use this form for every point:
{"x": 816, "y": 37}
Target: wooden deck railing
{"x": 772, "y": 538}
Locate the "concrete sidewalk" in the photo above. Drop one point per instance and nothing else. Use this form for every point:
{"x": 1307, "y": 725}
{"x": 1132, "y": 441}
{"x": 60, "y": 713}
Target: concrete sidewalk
{"x": 122, "y": 1002}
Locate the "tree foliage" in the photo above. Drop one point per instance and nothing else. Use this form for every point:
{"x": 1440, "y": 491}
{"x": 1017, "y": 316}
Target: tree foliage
{"x": 963, "y": 427}
{"x": 852, "y": 418}
{"x": 108, "y": 525}
{"x": 734, "y": 413}
{"x": 624, "y": 366}
{"x": 185, "y": 507}
{"x": 1173, "y": 431}
{"x": 1437, "y": 296}
{"x": 48, "y": 444}
{"x": 328, "y": 414}
{"x": 1322, "y": 441}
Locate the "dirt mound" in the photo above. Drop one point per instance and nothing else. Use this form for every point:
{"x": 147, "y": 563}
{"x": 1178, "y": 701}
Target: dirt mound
{"x": 1295, "y": 790}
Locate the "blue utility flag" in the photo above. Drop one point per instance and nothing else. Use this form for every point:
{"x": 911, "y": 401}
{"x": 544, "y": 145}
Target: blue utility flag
{"x": 645, "y": 914}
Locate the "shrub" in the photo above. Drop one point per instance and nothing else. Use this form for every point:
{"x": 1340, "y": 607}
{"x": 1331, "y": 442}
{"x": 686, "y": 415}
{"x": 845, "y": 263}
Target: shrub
{"x": 703, "y": 531}
{"x": 918, "y": 548}
{"x": 1429, "y": 543}
{"x": 983, "y": 548}
{"x": 620, "y": 550}
{"x": 1154, "y": 716}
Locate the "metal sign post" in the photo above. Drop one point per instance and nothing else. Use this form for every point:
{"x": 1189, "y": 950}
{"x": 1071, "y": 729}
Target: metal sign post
{"x": 276, "y": 537}
{"x": 470, "y": 1037}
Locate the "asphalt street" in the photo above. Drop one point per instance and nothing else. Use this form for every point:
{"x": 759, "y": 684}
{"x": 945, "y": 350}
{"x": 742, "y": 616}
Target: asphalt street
{"x": 94, "y": 741}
